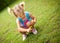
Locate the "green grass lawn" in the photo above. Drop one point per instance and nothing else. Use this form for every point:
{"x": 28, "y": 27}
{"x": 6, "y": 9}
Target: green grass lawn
{"x": 47, "y": 13}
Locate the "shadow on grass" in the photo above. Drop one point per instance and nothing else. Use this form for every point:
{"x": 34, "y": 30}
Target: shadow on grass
{"x": 33, "y": 38}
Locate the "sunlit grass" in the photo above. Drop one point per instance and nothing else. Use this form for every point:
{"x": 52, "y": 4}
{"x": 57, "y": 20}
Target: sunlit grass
{"x": 47, "y": 13}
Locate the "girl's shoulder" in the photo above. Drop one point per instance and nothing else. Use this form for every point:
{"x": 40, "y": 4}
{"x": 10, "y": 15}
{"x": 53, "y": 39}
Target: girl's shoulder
{"x": 18, "y": 19}
{"x": 26, "y": 12}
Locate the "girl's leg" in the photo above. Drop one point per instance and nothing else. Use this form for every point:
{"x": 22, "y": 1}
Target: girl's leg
{"x": 34, "y": 31}
{"x": 24, "y": 35}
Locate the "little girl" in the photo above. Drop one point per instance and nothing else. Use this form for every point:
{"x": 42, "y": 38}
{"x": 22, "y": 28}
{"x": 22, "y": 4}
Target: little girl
{"x": 25, "y": 21}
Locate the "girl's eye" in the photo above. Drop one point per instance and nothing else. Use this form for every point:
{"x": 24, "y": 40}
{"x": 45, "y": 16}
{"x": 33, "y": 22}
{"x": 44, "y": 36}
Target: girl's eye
{"x": 17, "y": 10}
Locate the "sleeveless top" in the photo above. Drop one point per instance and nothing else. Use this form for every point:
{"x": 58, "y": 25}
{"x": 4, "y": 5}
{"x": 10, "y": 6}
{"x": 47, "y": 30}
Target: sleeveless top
{"x": 23, "y": 22}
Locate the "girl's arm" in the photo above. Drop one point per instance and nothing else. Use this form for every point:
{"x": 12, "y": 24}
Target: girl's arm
{"x": 33, "y": 18}
{"x": 20, "y": 28}
{"x": 32, "y": 22}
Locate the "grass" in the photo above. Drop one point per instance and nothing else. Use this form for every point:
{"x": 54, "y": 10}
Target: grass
{"x": 47, "y": 13}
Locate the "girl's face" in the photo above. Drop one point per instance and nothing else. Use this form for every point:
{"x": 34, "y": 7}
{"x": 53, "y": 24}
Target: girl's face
{"x": 19, "y": 11}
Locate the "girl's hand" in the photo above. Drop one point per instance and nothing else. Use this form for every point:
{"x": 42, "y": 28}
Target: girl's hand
{"x": 30, "y": 23}
{"x": 34, "y": 21}
{"x": 29, "y": 30}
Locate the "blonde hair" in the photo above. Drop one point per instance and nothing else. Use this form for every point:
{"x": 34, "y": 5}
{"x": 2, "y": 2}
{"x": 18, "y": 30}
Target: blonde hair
{"x": 17, "y": 9}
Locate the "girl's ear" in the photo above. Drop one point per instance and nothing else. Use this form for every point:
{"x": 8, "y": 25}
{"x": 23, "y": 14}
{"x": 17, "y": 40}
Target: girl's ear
{"x": 10, "y": 10}
{"x": 22, "y": 4}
